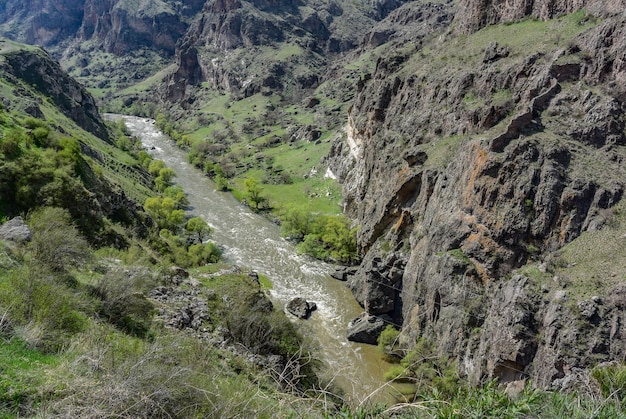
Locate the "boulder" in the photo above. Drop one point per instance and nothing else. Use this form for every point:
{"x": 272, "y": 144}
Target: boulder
{"x": 494, "y": 52}
{"x": 300, "y": 307}
{"x": 342, "y": 274}
{"x": 366, "y": 328}
{"x": 15, "y": 230}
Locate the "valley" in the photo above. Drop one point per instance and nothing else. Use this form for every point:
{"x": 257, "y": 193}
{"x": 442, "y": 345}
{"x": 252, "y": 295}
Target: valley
{"x": 456, "y": 167}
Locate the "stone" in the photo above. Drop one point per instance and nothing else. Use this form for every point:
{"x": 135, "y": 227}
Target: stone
{"x": 177, "y": 275}
{"x": 367, "y": 328}
{"x": 588, "y": 308}
{"x": 343, "y": 273}
{"x": 300, "y": 307}
{"x": 494, "y": 52}
{"x": 15, "y": 230}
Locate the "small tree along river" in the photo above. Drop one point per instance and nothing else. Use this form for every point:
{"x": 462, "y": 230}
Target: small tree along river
{"x": 253, "y": 242}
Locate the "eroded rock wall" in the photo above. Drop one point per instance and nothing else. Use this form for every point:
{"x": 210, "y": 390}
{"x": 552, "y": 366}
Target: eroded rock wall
{"x": 459, "y": 175}
{"x": 475, "y": 14}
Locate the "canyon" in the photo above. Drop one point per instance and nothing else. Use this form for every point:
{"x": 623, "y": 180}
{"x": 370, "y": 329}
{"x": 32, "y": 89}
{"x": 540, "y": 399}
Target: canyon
{"x": 484, "y": 140}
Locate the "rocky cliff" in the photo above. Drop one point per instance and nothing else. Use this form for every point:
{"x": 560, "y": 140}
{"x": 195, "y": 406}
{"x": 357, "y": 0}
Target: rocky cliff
{"x": 118, "y": 26}
{"x": 475, "y": 14}
{"x": 468, "y": 163}
{"x": 246, "y": 47}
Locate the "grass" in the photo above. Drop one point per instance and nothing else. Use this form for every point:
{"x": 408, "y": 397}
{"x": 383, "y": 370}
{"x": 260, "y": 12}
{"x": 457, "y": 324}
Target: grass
{"x": 596, "y": 261}
{"x": 441, "y": 151}
{"x": 22, "y": 372}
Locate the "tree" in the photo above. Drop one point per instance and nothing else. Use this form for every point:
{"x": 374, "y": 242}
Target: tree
{"x": 296, "y": 223}
{"x": 164, "y": 179}
{"x": 222, "y": 183}
{"x": 254, "y": 192}
{"x": 164, "y": 211}
{"x": 177, "y": 194}
{"x": 155, "y": 167}
{"x": 197, "y": 226}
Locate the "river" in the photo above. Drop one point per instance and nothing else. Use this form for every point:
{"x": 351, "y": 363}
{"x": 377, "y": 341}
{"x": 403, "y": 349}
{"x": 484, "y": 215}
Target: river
{"x": 252, "y": 241}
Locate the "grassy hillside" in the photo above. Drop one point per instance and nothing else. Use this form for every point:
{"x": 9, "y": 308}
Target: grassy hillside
{"x": 94, "y": 322}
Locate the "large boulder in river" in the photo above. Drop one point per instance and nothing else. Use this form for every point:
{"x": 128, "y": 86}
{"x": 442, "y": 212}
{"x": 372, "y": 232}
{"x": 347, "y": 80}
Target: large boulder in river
{"x": 300, "y": 307}
{"x": 366, "y": 328}
{"x": 343, "y": 273}
{"x": 15, "y": 230}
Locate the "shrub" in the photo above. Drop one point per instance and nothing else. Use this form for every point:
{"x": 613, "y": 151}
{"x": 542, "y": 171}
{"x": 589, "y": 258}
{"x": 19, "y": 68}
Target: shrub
{"x": 10, "y": 145}
{"x": 331, "y": 238}
{"x": 37, "y": 302}
{"x": 56, "y": 243}
{"x": 165, "y": 212}
{"x": 296, "y": 223}
{"x": 221, "y": 183}
{"x": 123, "y": 302}
{"x": 388, "y": 340}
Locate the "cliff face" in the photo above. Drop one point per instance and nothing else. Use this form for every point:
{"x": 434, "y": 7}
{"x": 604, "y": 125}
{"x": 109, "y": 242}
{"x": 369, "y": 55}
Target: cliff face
{"x": 119, "y": 25}
{"x": 42, "y": 22}
{"x": 246, "y": 47}
{"x": 475, "y": 14}
{"x": 464, "y": 160}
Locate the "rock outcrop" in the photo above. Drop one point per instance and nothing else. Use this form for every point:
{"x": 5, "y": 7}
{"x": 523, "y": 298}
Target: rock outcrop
{"x": 15, "y": 230}
{"x": 366, "y": 328}
{"x": 461, "y": 166}
{"x": 119, "y": 26}
{"x": 41, "y": 22}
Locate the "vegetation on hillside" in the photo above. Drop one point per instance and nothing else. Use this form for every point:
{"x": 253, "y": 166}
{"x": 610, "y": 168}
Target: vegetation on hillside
{"x": 433, "y": 388}
{"x": 85, "y": 329}
{"x": 79, "y": 337}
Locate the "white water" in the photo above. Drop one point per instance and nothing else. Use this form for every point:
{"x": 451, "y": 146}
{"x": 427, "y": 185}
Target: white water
{"x": 252, "y": 241}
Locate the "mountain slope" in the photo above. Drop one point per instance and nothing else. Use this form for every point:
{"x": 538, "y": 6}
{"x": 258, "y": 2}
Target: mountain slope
{"x": 54, "y": 143}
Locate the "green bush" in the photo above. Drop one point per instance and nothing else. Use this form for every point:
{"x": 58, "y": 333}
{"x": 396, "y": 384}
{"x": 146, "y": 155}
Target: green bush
{"x": 296, "y": 223}
{"x": 166, "y": 212}
{"x": 123, "y": 302}
{"x": 41, "y": 306}
{"x": 198, "y": 228}
{"x": 56, "y": 243}
{"x": 221, "y": 183}
{"x": 331, "y": 238}
{"x": 388, "y": 340}
{"x": 11, "y": 144}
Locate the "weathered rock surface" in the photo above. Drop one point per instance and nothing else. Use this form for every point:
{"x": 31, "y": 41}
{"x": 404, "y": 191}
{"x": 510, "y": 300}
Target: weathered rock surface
{"x": 475, "y": 14}
{"x": 485, "y": 185}
{"x": 300, "y": 307}
{"x": 15, "y": 230}
{"x": 343, "y": 273}
{"x": 366, "y": 328}
{"x": 119, "y": 26}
